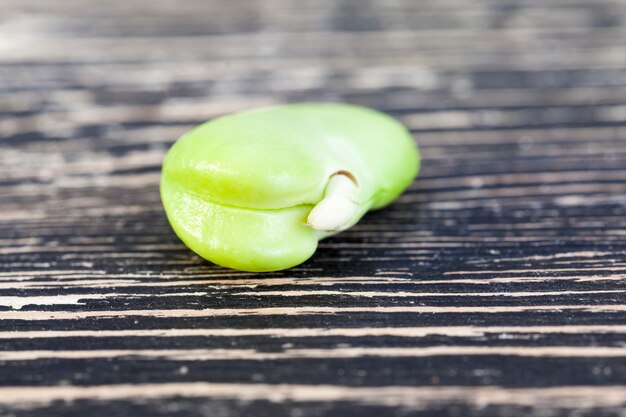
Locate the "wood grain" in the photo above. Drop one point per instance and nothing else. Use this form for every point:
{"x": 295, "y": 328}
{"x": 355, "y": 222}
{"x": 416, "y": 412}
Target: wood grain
{"x": 494, "y": 287}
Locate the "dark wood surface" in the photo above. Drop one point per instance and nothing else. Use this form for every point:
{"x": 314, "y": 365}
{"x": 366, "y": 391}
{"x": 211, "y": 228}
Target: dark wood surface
{"x": 494, "y": 287}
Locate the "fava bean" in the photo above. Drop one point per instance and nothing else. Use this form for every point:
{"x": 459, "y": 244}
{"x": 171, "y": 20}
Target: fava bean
{"x": 257, "y": 190}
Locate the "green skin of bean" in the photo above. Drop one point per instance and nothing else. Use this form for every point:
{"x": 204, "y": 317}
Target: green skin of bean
{"x": 237, "y": 190}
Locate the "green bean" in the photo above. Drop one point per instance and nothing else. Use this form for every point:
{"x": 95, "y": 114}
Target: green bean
{"x": 257, "y": 190}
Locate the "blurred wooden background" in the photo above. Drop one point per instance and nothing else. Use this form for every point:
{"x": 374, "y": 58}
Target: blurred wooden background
{"x": 494, "y": 287}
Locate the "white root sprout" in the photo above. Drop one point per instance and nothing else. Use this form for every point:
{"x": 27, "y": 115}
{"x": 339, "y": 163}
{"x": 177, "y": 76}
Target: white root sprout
{"x": 338, "y": 207}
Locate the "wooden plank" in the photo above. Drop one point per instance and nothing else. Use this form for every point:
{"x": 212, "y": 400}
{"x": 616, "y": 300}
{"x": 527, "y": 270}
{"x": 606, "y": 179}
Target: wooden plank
{"x": 494, "y": 286}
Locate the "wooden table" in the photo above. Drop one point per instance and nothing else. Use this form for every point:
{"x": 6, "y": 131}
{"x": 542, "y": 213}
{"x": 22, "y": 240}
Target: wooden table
{"x": 494, "y": 287}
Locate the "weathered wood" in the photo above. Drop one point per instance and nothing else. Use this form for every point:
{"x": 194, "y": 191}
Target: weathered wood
{"x": 494, "y": 286}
